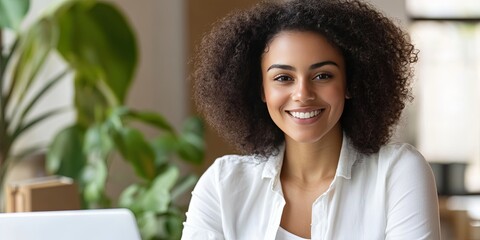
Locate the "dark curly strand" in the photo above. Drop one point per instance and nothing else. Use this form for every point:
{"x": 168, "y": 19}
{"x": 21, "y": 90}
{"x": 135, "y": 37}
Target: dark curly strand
{"x": 378, "y": 59}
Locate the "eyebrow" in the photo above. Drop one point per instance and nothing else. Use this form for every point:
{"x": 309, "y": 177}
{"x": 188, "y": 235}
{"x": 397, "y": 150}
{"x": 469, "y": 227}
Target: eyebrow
{"x": 291, "y": 68}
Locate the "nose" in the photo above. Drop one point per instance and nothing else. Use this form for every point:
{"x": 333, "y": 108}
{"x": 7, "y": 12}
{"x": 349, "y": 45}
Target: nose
{"x": 303, "y": 92}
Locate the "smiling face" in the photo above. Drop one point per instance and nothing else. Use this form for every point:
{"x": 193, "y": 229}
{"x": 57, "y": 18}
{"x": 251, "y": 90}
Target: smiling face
{"x": 304, "y": 85}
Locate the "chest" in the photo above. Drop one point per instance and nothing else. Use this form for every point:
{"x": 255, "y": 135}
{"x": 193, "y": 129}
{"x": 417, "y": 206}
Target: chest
{"x": 299, "y": 198}
{"x": 343, "y": 211}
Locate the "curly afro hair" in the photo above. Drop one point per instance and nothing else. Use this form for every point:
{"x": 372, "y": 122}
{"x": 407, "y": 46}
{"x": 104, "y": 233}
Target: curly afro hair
{"x": 378, "y": 56}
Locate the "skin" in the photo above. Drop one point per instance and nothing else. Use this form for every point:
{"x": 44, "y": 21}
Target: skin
{"x": 303, "y": 74}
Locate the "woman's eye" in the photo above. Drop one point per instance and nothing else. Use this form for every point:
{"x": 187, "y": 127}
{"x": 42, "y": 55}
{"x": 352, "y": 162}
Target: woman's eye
{"x": 323, "y": 76}
{"x": 282, "y": 78}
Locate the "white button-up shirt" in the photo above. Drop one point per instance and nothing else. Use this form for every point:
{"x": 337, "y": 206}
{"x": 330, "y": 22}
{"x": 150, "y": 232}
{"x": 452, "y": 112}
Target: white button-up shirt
{"x": 387, "y": 195}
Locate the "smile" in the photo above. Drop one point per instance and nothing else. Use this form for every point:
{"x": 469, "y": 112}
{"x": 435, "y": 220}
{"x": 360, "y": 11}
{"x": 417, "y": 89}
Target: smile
{"x": 305, "y": 115}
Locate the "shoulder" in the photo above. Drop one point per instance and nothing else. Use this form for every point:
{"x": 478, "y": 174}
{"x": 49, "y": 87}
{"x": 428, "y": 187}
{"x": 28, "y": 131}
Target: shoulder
{"x": 399, "y": 150}
{"x": 411, "y": 196}
{"x": 394, "y": 161}
{"x": 403, "y": 164}
{"x": 392, "y": 155}
{"x": 401, "y": 155}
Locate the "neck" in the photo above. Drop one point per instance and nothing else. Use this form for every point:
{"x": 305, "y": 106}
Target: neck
{"x": 313, "y": 162}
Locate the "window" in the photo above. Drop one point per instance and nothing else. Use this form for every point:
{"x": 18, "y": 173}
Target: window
{"x": 447, "y": 33}
{"x": 454, "y": 9}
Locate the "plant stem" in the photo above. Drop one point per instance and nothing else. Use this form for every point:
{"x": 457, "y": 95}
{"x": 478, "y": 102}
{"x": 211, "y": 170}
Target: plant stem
{"x": 3, "y": 65}
{"x": 2, "y": 112}
{"x": 3, "y": 140}
{"x": 3, "y": 173}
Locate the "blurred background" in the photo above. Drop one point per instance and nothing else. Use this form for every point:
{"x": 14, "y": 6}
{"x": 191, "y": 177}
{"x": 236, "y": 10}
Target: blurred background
{"x": 443, "y": 121}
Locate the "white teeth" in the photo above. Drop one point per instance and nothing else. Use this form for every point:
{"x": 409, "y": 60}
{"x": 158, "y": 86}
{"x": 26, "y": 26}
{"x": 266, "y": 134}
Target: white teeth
{"x": 305, "y": 115}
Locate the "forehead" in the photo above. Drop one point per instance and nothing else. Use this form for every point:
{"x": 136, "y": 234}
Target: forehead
{"x": 291, "y": 46}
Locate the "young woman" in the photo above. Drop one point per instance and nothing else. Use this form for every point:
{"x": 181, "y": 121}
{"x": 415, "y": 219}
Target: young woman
{"x": 310, "y": 91}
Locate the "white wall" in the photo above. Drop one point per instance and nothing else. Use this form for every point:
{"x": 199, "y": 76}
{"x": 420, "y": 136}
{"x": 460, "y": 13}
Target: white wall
{"x": 393, "y": 9}
{"x": 160, "y": 84}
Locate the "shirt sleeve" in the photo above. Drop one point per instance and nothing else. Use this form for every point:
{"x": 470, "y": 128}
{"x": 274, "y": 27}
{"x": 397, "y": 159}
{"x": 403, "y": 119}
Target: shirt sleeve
{"x": 204, "y": 213}
{"x": 412, "y": 201}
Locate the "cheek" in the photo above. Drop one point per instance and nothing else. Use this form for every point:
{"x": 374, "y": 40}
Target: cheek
{"x": 271, "y": 99}
{"x": 268, "y": 93}
{"x": 275, "y": 100}
{"x": 271, "y": 95}
{"x": 339, "y": 89}
{"x": 335, "y": 95}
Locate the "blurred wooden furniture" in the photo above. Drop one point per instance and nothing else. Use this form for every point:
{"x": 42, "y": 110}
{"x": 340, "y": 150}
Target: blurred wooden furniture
{"x": 460, "y": 217}
{"x": 42, "y": 194}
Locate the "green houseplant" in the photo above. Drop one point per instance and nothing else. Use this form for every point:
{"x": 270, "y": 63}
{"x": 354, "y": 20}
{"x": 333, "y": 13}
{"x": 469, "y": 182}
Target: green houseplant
{"x": 153, "y": 198}
{"x": 24, "y": 58}
{"x": 100, "y": 50}
{"x": 90, "y": 47}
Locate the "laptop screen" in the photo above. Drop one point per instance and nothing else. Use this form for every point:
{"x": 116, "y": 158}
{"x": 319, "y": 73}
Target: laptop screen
{"x": 118, "y": 224}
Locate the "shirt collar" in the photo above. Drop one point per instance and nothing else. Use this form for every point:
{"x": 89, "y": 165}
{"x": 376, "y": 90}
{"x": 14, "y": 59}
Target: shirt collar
{"x": 348, "y": 156}
{"x": 274, "y": 163}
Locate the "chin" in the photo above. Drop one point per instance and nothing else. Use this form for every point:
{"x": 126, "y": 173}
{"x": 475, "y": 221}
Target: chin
{"x": 307, "y": 139}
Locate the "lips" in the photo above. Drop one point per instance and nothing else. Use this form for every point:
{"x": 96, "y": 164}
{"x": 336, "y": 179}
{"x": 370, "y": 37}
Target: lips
{"x": 305, "y": 114}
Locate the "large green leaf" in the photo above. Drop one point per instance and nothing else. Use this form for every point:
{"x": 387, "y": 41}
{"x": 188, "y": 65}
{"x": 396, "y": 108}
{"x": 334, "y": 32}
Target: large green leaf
{"x": 191, "y": 145}
{"x": 174, "y": 226}
{"x": 194, "y": 125}
{"x": 94, "y": 178}
{"x": 129, "y": 196}
{"x": 97, "y": 40}
{"x": 152, "y": 118}
{"x": 65, "y": 156}
{"x": 97, "y": 146}
{"x": 191, "y": 148}
{"x": 157, "y": 198}
{"x": 149, "y": 224}
{"x": 137, "y": 151}
{"x": 98, "y": 140}
{"x": 90, "y": 103}
{"x": 12, "y": 13}
{"x": 164, "y": 146}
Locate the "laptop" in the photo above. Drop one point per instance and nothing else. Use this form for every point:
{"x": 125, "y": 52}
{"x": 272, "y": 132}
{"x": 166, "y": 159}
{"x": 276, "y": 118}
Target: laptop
{"x": 98, "y": 224}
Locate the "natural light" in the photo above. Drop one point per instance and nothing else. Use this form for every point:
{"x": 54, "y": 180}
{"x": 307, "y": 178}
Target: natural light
{"x": 448, "y": 82}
